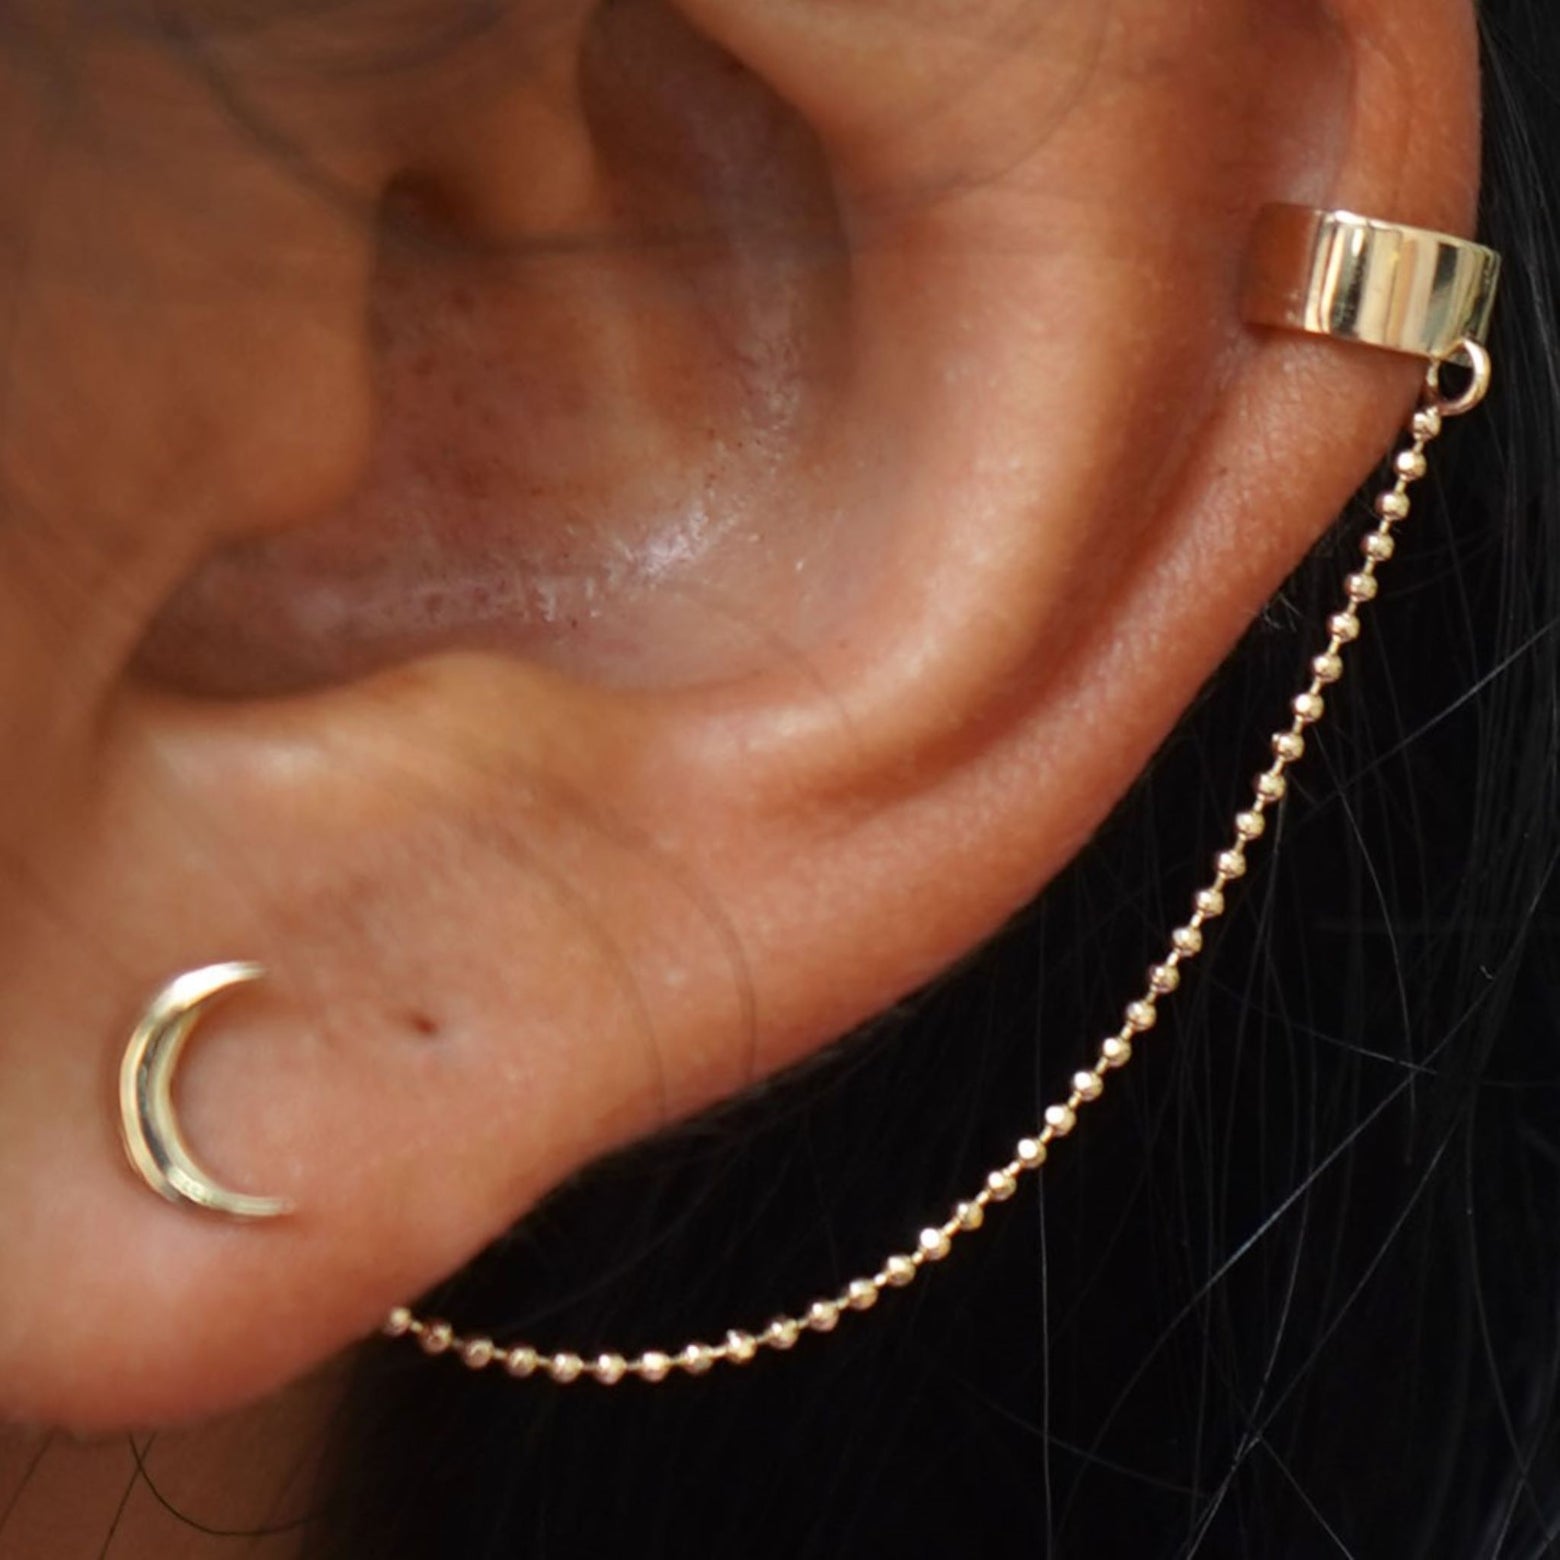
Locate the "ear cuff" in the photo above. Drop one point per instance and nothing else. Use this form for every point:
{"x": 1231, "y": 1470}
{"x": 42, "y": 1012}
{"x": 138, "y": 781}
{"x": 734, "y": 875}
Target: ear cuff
{"x": 1377, "y": 284}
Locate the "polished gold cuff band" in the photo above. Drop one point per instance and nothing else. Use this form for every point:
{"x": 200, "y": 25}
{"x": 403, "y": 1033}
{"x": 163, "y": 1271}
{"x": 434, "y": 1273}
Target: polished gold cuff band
{"x": 1382, "y": 284}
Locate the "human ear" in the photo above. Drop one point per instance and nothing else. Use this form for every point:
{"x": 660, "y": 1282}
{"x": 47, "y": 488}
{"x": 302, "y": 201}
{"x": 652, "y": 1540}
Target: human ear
{"x": 886, "y": 465}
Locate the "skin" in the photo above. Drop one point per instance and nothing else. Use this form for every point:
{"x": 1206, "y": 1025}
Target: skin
{"x": 628, "y": 502}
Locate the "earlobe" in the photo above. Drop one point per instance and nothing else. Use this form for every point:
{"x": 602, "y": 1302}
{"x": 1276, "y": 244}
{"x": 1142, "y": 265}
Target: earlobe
{"x": 1041, "y": 477}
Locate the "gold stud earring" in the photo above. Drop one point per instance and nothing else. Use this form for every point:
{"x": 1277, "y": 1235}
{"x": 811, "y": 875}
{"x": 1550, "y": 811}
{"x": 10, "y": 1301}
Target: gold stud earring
{"x": 148, "y": 1122}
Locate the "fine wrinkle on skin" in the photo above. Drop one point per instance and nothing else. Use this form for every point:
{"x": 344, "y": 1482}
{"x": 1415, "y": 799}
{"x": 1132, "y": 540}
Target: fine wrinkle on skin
{"x": 1077, "y": 34}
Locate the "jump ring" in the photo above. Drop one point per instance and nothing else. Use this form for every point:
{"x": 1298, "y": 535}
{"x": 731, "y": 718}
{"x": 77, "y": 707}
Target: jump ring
{"x": 1466, "y": 354}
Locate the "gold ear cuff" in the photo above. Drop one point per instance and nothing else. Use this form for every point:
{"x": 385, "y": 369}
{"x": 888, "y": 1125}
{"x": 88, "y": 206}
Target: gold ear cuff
{"x": 1380, "y": 284}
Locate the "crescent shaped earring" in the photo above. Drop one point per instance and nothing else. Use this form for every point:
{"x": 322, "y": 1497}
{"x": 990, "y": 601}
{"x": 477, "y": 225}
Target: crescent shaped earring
{"x": 148, "y": 1123}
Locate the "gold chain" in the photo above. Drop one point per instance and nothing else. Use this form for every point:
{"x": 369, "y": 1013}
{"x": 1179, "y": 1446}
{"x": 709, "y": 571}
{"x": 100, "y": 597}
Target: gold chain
{"x": 1115, "y": 1051}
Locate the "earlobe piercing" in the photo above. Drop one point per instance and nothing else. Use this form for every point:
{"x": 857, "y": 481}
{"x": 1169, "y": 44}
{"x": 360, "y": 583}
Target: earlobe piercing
{"x": 148, "y": 1122}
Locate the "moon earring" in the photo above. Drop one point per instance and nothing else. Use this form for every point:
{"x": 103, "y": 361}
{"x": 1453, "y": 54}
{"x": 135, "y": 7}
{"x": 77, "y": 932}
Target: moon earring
{"x": 148, "y": 1123}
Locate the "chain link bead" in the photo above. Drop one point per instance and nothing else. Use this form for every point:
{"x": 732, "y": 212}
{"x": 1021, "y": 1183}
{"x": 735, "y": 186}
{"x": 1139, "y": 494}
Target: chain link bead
{"x": 782, "y": 1333}
{"x": 823, "y": 1316}
{"x": 1031, "y": 1153}
{"x": 861, "y": 1294}
{"x": 934, "y": 1244}
{"x": 970, "y": 1215}
{"x": 437, "y": 1337}
{"x": 1271, "y": 787}
{"x": 698, "y": 1358}
{"x": 656, "y": 1366}
{"x": 1230, "y": 863}
{"x": 1378, "y": 545}
{"x": 1061, "y": 1119}
{"x": 1088, "y": 1085}
{"x": 1250, "y": 825}
{"x": 1410, "y": 464}
{"x": 1141, "y": 1016}
{"x": 609, "y": 1369}
{"x": 1187, "y": 941}
{"x": 478, "y": 1354}
{"x": 1115, "y": 1052}
{"x": 1361, "y": 587}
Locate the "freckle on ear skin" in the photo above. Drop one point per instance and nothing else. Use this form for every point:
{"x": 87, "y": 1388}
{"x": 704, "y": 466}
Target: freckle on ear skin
{"x": 424, "y": 1025}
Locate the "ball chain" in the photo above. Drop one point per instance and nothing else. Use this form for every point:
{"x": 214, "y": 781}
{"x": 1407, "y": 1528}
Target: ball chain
{"x": 1287, "y": 746}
